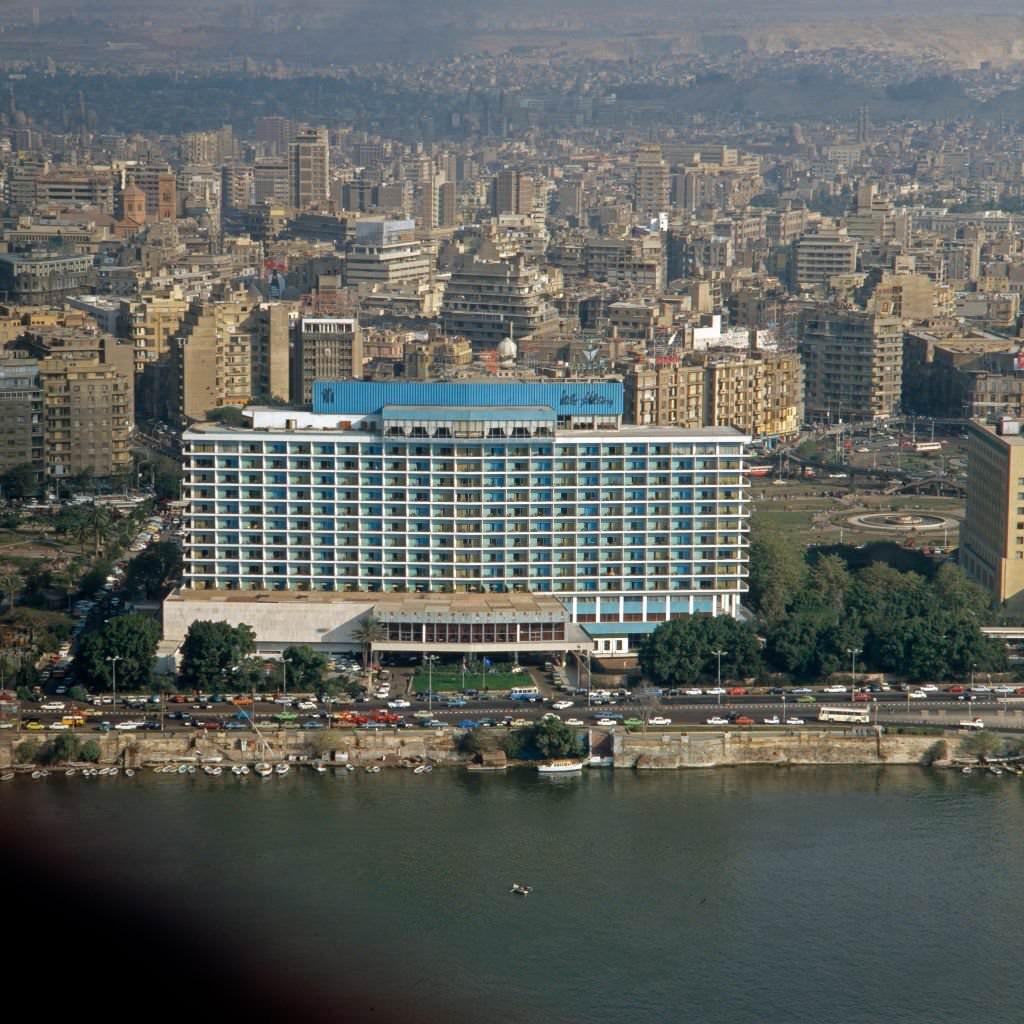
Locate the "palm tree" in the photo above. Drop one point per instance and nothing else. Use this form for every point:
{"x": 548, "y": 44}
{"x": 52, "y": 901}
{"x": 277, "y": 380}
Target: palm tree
{"x": 97, "y": 521}
{"x": 10, "y": 584}
{"x": 366, "y": 634}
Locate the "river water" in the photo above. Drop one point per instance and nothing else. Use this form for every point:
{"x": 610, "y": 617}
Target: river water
{"x": 734, "y": 896}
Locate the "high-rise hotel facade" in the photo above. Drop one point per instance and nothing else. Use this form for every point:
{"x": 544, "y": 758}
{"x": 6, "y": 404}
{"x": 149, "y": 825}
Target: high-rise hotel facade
{"x": 472, "y": 503}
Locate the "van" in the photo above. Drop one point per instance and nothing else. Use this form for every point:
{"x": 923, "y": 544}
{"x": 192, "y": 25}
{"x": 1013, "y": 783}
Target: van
{"x": 73, "y": 720}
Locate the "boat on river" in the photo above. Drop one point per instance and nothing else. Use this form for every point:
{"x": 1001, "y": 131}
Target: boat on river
{"x": 560, "y": 767}
{"x": 263, "y": 770}
{"x": 520, "y": 890}
{"x": 281, "y": 769}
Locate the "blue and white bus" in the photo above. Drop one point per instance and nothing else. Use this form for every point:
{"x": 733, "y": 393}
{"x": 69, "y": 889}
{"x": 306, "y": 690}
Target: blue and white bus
{"x": 530, "y": 693}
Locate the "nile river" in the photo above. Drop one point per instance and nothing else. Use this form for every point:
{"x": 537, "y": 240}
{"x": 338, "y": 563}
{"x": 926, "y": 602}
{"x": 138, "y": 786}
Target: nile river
{"x": 826, "y": 896}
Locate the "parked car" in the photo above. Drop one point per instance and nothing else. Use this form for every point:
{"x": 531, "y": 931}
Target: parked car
{"x": 659, "y": 720}
{"x": 717, "y": 720}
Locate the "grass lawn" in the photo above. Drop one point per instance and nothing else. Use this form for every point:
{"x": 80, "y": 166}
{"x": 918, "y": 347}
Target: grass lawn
{"x": 451, "y": 679}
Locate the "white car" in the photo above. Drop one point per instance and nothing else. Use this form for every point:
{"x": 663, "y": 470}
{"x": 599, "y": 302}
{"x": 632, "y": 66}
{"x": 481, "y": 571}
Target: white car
{"x": 127, "y": 726}
{"x": 717, "y": 720}
{"x": 693, "y": 691}
{"x": 58, "y": 725}
{"x": 998, "y": 689}
{"x": 561, "y": 705}
{"x": 932, "y": 688}
{"x": 714, "y": 691}
{"x": 794, "y": 721}
{"x": 834, "y": 689}
{"x": 607, "y": 721}
{"x": 306, "y": 705}
{"x": 53, "y": 705}
{"x": 771, "y": 720}
{"x": 917, "y": 695}
{"x": 550, "y": 717}
{"x": 660, "y": 720}
{"x": 574, "y": 721}
{"x": 399, "y": 704}
{"x": 980, "y": 689}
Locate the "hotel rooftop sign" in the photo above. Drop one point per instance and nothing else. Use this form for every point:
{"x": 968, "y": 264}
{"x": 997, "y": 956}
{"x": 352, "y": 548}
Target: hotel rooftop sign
{"x": 368, "y": 398}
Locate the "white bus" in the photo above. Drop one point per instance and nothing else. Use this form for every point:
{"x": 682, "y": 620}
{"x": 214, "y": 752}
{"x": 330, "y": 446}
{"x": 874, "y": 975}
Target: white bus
{"x": 859, "y": 715}
{"x": 530, "y": 693}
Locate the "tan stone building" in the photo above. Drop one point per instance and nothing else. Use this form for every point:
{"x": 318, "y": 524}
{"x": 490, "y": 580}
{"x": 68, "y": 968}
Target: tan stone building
{"x": 760, "y": 393}
{"x": 149, "y": 323}
{"x": 87, "y": 417}
{"x": 853, "y": 362}
{"x": 211, "y": 358}
{"x": 324, "y": 348}
{"x": 992, "y": 537}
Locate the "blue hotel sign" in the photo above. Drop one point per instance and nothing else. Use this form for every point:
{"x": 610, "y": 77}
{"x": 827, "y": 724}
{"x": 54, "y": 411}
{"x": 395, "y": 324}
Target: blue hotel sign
{"x": 369, "y": 397}
{"x": 576, "y": 400}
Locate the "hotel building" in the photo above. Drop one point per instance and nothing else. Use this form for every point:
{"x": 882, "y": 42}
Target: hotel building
{"x": 463, "y": 516}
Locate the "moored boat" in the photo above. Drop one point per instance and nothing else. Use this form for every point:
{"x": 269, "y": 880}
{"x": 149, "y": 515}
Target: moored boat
{"x": 281, "y": 769}
{"x": 6, "y": 777}
{"x": 263, "y": 770}
{"x": 559, "y": 767}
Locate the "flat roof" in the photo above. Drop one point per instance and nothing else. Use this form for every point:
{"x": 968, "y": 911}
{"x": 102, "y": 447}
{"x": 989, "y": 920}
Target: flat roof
{"x": 395, "y": 607}
{"x": 474, "y": 413}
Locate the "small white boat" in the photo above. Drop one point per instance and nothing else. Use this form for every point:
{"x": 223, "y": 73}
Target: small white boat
{"x": 159, "y": 769}
{"x": 319, "y": 768}
{"x": 244, "y": 770}
{"x": 236, "y": 769}
{"x": 966, "y": 770}
{"x": 520, "y": 890}
{"x": 419, "y": 769}
{"x": 281, "y": 769}
{"x": 559, "y": 767}
{"x": 130, "y": 772}
{"x": 113, "y": 771}
{"x": 263, "y": 770}
{"x": 70, "y": 772}
{"x": 216, "y": 770}
{"x": 373, "y": 769}
{"x": 6, "y": 777}
{"x": 350, "y": 767}
{"x": 37, "y": 775}
{"x": 995, "y": 769}
{"x": 182, "y": 769}
{"x": 191, "y": 769}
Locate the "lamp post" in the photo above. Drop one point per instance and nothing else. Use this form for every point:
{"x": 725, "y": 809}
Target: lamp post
{"x": 719, "y": 654}
{"x": 430, "y": 659}
{"x": 853, "y": 652}
{"x": 114, "y": 659}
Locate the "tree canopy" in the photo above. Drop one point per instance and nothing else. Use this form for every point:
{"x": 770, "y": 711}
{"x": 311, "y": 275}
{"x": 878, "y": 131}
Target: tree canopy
{"x": 306, "y": 668}
{"x": 213, "y": 655}
{"x": 682, "y": 651}
{"x": 132, "y": 639}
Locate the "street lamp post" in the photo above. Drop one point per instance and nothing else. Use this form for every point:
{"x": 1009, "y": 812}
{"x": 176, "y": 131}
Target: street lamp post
{"x": 430, "y": 659}
{"x": 718, "y": 654}
{"x": 853, "y": 652}
{"x": 114, "y": 659}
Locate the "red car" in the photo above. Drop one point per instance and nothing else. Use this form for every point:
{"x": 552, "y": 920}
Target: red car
{"x": 737, "y": 691}
{"x": 862, "y": 696}
{"x": 955, "y": 689}
{"x": 744, "y": 720}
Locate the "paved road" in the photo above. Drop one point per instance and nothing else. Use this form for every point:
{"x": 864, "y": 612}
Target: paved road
{"x": 893, "y": 708}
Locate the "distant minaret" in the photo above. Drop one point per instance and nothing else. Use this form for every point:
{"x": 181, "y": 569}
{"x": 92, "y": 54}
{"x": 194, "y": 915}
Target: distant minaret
{"x": 863, "y": 126}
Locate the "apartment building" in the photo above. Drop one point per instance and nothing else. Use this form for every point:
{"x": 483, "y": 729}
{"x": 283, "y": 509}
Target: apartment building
{"x": 992, "y": 536}
{"x": 822, "y": 256}
{"x": 87, "y": 417}
{"x": 386, "y": 254}
{"x": 21, "y": 414}
{"x": 487, "y": 300}
{"x": 853, "y": 362}
{"x": 324, "y": 348}
{"x": 761, "y": 394}
{"x": 309, "y": 168}
{"x": 458, "y": 513}
{"x": 211, "y": 358}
